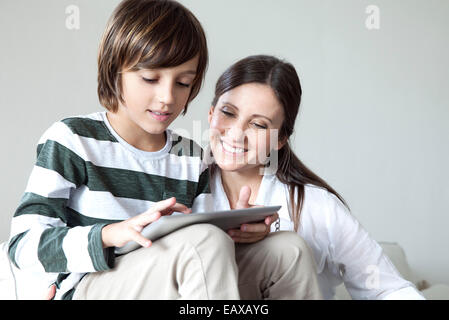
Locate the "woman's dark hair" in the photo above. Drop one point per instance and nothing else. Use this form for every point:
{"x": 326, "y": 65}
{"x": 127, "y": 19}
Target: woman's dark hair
{"x": 281, "y": 76}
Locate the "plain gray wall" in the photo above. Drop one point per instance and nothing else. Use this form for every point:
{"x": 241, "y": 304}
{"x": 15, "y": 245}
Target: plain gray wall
{"x": 375, "y": 111}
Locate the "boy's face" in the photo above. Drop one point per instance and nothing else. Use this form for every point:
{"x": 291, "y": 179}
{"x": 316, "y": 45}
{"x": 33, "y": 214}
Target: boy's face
{"x": 155, "y": 97}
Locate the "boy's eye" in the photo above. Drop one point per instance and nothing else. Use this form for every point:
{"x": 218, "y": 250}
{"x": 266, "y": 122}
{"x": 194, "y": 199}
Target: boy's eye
{"x": 184, "y": 85}
{"x": 149, "y": 80}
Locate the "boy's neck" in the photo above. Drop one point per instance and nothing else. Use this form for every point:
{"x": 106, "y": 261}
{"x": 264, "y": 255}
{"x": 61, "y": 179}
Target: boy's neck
{"x": 134, "y": 135}
{"x": 234, "y": 181}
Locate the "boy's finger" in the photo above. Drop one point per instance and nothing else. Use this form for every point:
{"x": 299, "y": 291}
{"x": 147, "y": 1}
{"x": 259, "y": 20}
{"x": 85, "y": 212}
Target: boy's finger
{"x": 179, "y": 207}
{"x": 51, "y": 292}
{"x": 163, "y": 205}
{"x": 146, "y": 218}
{"x": 144, "y": 242}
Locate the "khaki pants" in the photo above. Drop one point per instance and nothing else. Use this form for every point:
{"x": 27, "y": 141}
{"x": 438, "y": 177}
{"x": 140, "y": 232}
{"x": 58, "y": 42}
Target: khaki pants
{"x": 202, "y": 262}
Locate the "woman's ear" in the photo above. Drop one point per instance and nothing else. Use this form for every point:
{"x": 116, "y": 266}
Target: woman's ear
{"x": 281, "y": 143}
{"x": 211, "y": 112}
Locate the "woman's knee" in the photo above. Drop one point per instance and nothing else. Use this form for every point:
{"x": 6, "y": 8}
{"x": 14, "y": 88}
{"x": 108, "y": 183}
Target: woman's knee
{"x": 288, "y": 243}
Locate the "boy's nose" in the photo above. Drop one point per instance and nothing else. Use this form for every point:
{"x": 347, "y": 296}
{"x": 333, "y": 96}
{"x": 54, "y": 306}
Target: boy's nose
{"x": 165, "y": 95}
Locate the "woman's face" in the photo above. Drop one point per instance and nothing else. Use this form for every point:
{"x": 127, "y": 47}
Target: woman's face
{"x": 244, "y": 127}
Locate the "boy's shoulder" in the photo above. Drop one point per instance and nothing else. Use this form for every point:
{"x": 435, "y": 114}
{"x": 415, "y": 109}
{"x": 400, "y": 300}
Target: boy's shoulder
{"x": 67, "y": 130}
{"x": 183, "y": 146}
{"x": 89, "y": 126}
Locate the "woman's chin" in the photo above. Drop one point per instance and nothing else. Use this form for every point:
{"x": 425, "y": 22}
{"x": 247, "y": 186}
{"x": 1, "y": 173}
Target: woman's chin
{"x": 230, "y": 167}
{"x": 235, "y": 167}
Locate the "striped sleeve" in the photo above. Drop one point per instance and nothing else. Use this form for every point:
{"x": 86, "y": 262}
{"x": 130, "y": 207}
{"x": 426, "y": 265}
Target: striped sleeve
{"x": 203, "y": 201}
{"x": 42, "y": 235}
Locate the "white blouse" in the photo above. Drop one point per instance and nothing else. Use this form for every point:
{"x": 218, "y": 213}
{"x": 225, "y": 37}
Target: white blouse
{"x": 343, "y": 249}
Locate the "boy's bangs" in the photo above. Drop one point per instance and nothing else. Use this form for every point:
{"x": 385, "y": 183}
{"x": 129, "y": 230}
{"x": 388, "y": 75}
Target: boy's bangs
{"x": 175, "y": 45}
{"x": 148, "y": 34}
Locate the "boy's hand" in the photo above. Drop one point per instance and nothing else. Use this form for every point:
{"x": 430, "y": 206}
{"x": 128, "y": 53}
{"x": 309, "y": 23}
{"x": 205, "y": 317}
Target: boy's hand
{"x": 118, "y": 234}
{"x": 51, "y": 292}
{"x": 250, "y": 232}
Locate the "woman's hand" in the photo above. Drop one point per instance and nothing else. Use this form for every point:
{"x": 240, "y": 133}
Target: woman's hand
{"x": 118, "y": 234}
{"x": 250, "y": 232}
{"x": 253, "y": 232}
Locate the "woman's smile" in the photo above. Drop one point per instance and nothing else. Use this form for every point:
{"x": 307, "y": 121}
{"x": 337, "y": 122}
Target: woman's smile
{"x": 233, "y": 150}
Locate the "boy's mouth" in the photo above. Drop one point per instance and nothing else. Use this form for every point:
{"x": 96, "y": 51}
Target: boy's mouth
{"x": 159, "y": 115}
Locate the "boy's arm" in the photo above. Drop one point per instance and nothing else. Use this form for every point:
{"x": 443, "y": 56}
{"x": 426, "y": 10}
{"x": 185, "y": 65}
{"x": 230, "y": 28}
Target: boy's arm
{"x": 203, "y": 201}
{"x": 44, "y": 235}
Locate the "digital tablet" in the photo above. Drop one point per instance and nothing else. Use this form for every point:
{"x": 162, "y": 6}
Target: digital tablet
{"x": 225, "y": 220}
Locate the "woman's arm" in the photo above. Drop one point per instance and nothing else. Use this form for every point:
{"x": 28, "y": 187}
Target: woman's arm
{"x": 359, "y": 260}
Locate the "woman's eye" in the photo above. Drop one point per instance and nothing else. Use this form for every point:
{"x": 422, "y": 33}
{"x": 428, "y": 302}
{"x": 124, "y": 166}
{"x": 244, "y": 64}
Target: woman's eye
{"x": 259, "y": 126}
{"x": 186, "y": 85}
{"x": 227, "y": 114}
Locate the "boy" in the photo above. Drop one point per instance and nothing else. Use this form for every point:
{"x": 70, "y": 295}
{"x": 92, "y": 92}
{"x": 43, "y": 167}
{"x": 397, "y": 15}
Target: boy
{"x": 99, "y": 179}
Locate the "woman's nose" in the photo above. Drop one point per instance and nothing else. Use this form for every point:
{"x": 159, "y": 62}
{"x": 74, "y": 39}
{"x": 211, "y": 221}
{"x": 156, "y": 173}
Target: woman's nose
{"x": 236, "y": 133}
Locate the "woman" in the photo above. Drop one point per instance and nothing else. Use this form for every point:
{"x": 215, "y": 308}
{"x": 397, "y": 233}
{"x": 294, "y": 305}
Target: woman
{"x": 251, "y": 120}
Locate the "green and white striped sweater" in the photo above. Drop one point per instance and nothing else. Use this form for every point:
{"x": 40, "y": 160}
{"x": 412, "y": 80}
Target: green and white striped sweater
{"x": 87, "y": 176}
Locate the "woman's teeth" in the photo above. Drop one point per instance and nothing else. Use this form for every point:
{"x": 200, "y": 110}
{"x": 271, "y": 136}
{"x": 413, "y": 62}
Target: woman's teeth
{"x": 231, "y": 149}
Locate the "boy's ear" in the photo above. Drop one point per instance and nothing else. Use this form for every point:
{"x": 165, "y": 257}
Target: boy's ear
{"x": 211, "y": 112}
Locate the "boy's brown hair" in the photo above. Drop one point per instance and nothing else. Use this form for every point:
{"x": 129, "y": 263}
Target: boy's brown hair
{"x": 148, "y": 34}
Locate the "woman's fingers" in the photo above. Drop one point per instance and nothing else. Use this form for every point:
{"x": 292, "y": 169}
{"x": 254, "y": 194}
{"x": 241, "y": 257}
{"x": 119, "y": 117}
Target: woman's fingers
{"x": 257, "y": 231}
{"x": 254, "y": 227}
{"x": 246, "y": 237}
{"x": 247, "y": 240}
{"x": 244, "y": 195}
{"x": 269, "y": 220}
{"x": 249, "y": 233}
